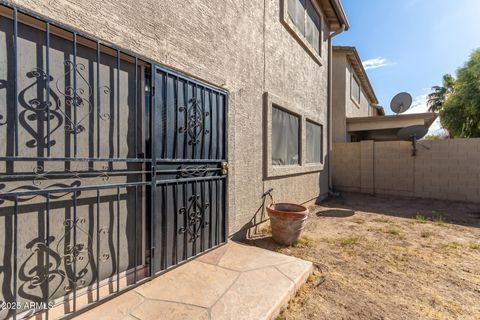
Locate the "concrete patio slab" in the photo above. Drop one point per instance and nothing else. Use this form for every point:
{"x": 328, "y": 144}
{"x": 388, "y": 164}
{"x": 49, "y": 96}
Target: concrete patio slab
{"x": 235, "y": 281}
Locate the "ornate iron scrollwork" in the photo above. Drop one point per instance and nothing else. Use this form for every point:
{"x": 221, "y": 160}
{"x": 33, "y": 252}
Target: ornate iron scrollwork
{"x": 193, "y": 171}
{"x": 194, "y": 124}
{"x": 41, "y": 175}
{"x": 195, "y": 217}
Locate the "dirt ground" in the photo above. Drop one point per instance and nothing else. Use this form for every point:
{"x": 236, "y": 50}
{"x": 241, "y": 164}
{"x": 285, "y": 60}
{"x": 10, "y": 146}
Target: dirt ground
{"x": 387, "y": 258}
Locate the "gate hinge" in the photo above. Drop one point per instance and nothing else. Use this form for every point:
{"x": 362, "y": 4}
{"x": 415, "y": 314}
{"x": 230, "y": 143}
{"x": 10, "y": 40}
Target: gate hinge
{"x": 152, "y": 253}
{"x": 153, "y": 91}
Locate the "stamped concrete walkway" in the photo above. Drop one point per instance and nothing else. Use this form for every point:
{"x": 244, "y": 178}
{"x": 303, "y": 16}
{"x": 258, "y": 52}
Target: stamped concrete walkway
{"x": 235, "y": 281}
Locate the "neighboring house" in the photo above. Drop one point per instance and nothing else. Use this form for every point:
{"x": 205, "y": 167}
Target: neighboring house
{"x": 353, "y": 94}
{"x": 137, "y": 135}
{"x": 356, "y": 113}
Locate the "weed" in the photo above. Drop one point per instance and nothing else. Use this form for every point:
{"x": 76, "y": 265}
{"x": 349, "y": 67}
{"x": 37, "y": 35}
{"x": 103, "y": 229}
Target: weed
{"x": 304, "y": 243}
{"x": 420, "y": 218}
{"x": 475, "y": 246}
{"x": 350, "y": 241}
{"x": 382, "y": 220}
{"x": 439, "y": 221}
{"x": 426, "y": 234}
{"x": 394, "y": 232}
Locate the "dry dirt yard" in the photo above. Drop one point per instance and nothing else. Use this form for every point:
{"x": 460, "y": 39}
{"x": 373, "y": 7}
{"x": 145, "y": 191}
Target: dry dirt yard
{"x": 387, "y": 258}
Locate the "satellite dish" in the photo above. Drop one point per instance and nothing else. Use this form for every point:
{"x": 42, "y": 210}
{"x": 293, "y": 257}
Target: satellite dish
{"x": 401, "y": 102}
{"x": 413, "y": 133}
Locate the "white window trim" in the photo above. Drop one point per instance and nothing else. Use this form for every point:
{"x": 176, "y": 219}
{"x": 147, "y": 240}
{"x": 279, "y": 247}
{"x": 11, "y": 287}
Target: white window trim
{"x": 273, "y": 171}
{"x": 290, "y": 26}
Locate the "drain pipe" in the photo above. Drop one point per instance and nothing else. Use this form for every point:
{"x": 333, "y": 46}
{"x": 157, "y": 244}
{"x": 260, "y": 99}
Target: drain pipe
{"x": 330, "y": 107}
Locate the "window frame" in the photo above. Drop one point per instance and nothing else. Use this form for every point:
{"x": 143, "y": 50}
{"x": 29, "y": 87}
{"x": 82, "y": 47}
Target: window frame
{"x": 353, "y": 79}
{"x": 307, "y": 120}
{"x": 302, "y": 39}
{"x": 274, "y": 171}
{"x": 299, "y": 135}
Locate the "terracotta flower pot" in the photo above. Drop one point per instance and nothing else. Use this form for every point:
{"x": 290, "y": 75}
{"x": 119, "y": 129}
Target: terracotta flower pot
{"x": 287, "y": 221}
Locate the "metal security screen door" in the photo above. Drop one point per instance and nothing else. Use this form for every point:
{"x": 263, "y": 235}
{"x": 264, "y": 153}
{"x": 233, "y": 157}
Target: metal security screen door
{"x": 112, "y": 169}
{"x": 190, "y": 147}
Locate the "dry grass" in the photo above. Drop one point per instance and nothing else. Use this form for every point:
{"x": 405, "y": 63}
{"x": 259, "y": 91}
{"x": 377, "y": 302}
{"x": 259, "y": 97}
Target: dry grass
{"x": 393, "y": 259}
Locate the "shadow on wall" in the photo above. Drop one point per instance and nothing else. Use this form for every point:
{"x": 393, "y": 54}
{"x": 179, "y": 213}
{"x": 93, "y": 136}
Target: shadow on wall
{"x": 260, "y": 217}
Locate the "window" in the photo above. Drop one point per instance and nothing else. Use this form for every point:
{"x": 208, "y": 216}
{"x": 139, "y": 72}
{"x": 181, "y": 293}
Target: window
{"x": 355, "y": 90}
{"x": 314, "y": 142}
{"x": 307, "y": 21}
{"x": 285, "y": 138}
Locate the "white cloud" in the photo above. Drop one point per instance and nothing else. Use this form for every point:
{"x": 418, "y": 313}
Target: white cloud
{"x": 419, "y": 105}
{"x": 375, "y": 63}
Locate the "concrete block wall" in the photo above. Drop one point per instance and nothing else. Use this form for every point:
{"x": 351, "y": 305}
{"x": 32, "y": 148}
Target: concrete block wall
{"x": 445, "y": 169}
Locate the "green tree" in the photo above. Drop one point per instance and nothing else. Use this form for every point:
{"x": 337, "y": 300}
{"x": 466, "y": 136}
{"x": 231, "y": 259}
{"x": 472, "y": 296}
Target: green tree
{"x": 460, "y": 107}
{"x": 436, "y": 99}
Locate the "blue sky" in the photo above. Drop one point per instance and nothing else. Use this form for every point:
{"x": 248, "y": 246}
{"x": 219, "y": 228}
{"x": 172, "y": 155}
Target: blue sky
{"x": 412, "y": 43}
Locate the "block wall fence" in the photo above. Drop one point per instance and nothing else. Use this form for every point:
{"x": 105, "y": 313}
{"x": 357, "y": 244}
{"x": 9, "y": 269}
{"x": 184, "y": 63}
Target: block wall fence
{"x": 444, "y": 169}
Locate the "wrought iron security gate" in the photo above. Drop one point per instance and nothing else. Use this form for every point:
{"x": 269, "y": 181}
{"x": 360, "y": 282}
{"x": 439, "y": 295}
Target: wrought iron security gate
{"x": 190, "y": 148}
{"x": 112, "y": 169}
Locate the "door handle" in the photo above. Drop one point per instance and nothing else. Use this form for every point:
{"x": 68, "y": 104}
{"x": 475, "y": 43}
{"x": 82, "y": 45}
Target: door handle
{"x": 224, "y": 168}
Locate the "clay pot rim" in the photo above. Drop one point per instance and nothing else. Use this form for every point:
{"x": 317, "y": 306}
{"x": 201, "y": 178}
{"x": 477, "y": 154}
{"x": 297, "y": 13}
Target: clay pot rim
{"x": 288, "y": 215}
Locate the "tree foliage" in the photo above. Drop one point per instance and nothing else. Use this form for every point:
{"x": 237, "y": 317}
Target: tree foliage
{"x": 458, "y": 100}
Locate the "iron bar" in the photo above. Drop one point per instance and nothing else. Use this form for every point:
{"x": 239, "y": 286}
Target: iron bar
{"x": 48, "y": 255}
{"x": 72, "y": 159}
{"x": 216, "y": 212}
{"x": 152, "y": 175}
{"x": 185, "y": 116}
{"x": 164, "y": 227}
{"x": 210, "y": 224}
{"x": 47, "y": 62}
{"x": 135, "y": 237}
{"x": 98, "y": 245}
{"x": 211, "y": 124}
{"x": 164, "y": 116}
{"x": 194, "y": 195}
{"x": 118, "y": 239}
{"x": 190, "y": 160}
{"x": 7, "y": 195}
{"x": 202, "y": 94}
{"x": 118, "y": 103}
{"x": 136, "y": 111}
{"x": 218, "y": 126}
{"x": 175, "y": 223}
{"x": 202, "y": 233}
{"x": 15, "y": 76}
{"x": 15, "y": 255}
{"x": 195, "y": 124}
{"x": 185, "y": 205}
{"x": 74, "y": 286}
{"x": 75, "y": 98}
{"x": 175, "y": 97}
{"x": 43, "y": 176}
{"x": 98, "y": 100}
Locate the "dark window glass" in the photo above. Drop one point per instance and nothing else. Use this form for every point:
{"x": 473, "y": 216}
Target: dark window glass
{"x": 312, "y": 27}
{"x": 314, "y": 143}
{"x": 355, "y": 90}
{"x": 285, "y": 133}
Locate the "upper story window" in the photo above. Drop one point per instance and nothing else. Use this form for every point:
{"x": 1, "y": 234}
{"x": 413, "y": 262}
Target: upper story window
{"x": 355, "y": 90}
{"x": 307, "y": 21}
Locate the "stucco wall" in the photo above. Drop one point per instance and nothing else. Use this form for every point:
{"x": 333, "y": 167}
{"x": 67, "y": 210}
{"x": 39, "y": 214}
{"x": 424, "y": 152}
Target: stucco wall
{"x": 238, "y": 45}
{"x": 339, "y": 127}
{"x": 446, "y": 169}
{"x": 343, "y": 105}
{"x": 353, "y": 109}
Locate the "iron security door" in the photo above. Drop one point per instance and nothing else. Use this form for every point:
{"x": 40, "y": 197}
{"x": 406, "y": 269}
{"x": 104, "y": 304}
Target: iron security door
{"x": 189, "y": 143}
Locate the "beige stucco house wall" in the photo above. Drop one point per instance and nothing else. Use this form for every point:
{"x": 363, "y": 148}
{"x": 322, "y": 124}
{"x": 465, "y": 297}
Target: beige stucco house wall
{"x": 347, "y": 66}
{"x": 244, "y": 47}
